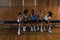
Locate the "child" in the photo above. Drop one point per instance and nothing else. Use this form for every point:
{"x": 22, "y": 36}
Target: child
{"x": 40, "y": 20}
{"x": 25, "y": 19}
{"x": 19, "y": 19}
{"x": 46, "y": 19}
{"x": 40, "y": 16}
{"x": 33, "y": 20}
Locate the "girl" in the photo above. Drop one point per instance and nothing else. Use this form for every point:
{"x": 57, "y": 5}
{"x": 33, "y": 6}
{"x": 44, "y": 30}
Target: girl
{"x": 25, "y": 19}
{"x": 19, "y": 19}
{"x": 33, "y": 20}
{"x": 46, "y": 19}
{"x": 40, "y": 20}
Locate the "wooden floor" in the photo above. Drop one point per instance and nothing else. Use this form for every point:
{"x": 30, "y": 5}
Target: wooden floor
{"x": 31, "y": 37}
{"x": 12, "y": 35}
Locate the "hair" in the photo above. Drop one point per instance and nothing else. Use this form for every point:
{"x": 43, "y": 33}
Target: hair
{"x": 19, "y": 13}
{"x": 32, "y": 11}
{"x": 50, "y": 13}
{"x": 25, "y": 11}
{"x": 39, "y": 10}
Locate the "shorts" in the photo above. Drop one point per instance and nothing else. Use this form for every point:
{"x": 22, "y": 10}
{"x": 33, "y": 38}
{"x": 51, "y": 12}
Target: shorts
{"x": 33, "y": 21}
{"x": 39, "y": 21}
{"x": 46, "y": 21}
{"x": 20, "y": 22}
{"x": 25, "y": 21}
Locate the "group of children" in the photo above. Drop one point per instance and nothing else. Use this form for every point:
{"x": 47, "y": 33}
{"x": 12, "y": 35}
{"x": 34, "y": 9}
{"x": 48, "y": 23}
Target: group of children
{"x": 32, "y": 20}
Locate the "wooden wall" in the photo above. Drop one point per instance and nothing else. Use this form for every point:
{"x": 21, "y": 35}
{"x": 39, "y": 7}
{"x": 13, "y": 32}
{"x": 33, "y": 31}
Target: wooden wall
{"x": 9, "y": 9}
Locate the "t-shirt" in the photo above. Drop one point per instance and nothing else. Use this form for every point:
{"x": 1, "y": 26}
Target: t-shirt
{"x": 40, "y": 17}
{"x": 25, "y": 17}
{"x": 47, "y": 17}
{"x": 19, "y": 19}
{"x": 33, "y": 17}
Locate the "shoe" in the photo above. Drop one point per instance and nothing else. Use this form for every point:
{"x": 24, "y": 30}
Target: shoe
{"x": 18, "y": 31}
{"x": 49, "y": 31}
{"x": 37, "y": 28}
{"x": 31, "y": 28}
{"x": 24, "y": 28}
{"x": 34, "y": 28}
{"x": 41, "y": 29}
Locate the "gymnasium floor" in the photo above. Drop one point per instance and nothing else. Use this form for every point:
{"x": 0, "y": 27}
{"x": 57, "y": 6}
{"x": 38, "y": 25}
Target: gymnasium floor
{"x": 11, "y": 34}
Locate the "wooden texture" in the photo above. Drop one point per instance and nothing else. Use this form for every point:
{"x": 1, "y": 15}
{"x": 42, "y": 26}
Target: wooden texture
{"x": 10, "y": 12}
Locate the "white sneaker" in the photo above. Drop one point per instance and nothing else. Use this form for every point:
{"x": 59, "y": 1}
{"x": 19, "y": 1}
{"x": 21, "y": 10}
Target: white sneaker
{"x": 49, "y": 30}
{"x": 41, "y": 29}
{"x": 31, "y": 28}
{"x": 37, "y": 28}
{"x": 24, "y": 28}
{"x": 34, "y": 28}
{"x": 18, "y": 31}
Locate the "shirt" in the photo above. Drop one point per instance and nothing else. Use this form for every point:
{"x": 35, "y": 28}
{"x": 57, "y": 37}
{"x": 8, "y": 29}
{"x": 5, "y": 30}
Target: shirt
{"x": 46, "y": 17}
{"x": 25, "y": 17}
{"x": 19, "y": 18}
{"x": 40, "y": 16}
{"x": 33, "y": 17}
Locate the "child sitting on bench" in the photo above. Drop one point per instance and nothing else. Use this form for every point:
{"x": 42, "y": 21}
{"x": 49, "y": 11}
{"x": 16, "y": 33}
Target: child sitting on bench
{"x": 33, "y": 20}
{"x": 19, "y": 19}
{"x": 46, "y": 19}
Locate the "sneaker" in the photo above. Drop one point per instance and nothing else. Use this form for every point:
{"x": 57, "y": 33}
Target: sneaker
{"x": 49, "y": 30}
{"x": 34, "y": 28}
{"x": 41, "y": 29}
{"x": 18, "y": 31}
{"x": 37, "y": 28}
{"x": 31, "y": 28}
{"x": 24, "y": 28}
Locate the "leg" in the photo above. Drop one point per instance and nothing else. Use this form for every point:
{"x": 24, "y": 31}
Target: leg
{"x": 34, "y": 25}
{"x": 49, "y": 27}
{"x": 18, "y": 30}
{"x": 41, "y": 29}
{"x": 31, "y": 25}
{"x": 24, "y": 26}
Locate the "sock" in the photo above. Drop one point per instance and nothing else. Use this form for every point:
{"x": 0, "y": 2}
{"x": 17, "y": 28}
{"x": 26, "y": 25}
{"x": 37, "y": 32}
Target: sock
{"x": 37, "y": 28}
{"x": 31, "y": 28}
{"x": 24, "y": 28}
{"x": 34, "y": 28}
{"x": 41, "y": 29}
{"x": 18, "y": 31}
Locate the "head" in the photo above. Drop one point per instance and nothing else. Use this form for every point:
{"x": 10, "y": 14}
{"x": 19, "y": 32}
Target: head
{"x": 25, "y": 11}
{"x": 49, "y": 13}
{"x": 40, "y": 11}
{"x": 32, "y": 11}
{"x": 19, "y": 13}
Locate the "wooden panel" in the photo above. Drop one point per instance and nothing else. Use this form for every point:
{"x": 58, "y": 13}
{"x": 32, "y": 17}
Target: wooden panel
{"x": 58, "y": 14}
{"x": 29, "y": 2}
{"x": 31, "y": 37}
{"x": 51, "y": 5}
{"x": 10, "y": 13}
